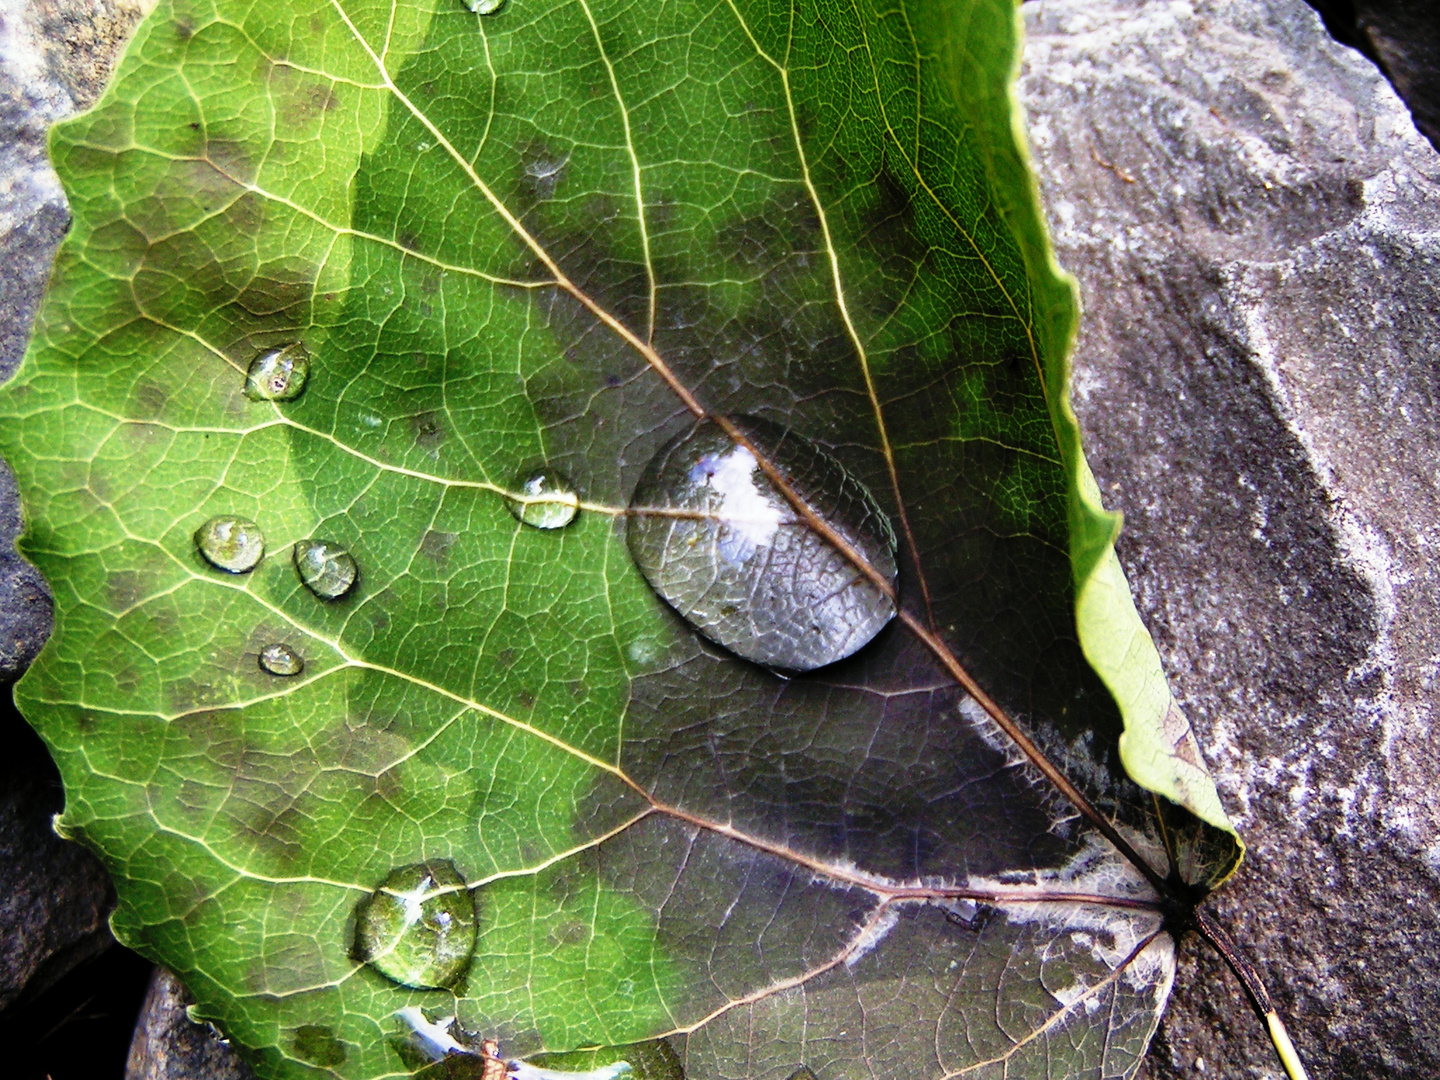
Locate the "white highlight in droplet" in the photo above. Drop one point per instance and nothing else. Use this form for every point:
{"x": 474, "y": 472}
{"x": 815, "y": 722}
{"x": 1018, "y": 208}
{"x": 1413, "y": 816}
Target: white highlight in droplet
{"x": 752, "y": 516}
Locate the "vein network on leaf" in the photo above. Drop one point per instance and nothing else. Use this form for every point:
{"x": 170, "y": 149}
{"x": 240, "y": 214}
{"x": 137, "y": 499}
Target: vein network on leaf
{"x": 690, "y": 260}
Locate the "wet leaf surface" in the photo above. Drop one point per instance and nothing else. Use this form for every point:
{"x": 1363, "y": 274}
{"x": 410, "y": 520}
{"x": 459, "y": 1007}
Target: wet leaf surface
{"x": 539, "y": 242}
{"x": 727, "y": 550}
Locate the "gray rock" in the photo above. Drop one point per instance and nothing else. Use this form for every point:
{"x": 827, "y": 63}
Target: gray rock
{"x": 26, "y": 612}
{"x": 57, "y": 895}
{"x": 1253, "y": 220}
{"x": 55, "y": 57}
{"x": 168, "y": 1045}
{"x": 1404, "y": 37}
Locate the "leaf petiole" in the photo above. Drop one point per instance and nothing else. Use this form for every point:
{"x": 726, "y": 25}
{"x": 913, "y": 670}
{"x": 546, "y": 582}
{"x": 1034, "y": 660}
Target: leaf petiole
{"x": 1205, "y": 925}
{"x": 1294, "y": 1067}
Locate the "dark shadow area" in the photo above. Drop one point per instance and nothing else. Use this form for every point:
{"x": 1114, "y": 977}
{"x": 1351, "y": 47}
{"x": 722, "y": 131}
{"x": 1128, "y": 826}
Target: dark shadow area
{"x": 1402, "y": 38}
{"x": 1340, "y": 19}
{"x": 80, "y": 1028}
{"x": 74, "y": 1019}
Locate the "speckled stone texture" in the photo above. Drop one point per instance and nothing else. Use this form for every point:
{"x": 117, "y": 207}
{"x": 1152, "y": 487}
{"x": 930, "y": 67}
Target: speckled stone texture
{"x": 1403, "y": 36}
{"x": 56, "y": 895}
{"x": 1255, "y": 225}
{"x": 168, "y": 1045}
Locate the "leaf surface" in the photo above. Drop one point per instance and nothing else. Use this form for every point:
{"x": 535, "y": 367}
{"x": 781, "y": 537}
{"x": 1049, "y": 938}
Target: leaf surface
{"x": 534, "y": 238}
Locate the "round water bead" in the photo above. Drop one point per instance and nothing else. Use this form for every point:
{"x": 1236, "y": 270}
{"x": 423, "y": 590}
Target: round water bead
{"x": 279, "y": 659}
{"x": 723, "y": 546}
{"x": 418, "y": 927}
{"x": 327, "y": 569}
{"x": 229, "y": 543}
{"x": 278, "y": 375}
{"x": 485, "y": 7}
{"x": 544, "y": 499}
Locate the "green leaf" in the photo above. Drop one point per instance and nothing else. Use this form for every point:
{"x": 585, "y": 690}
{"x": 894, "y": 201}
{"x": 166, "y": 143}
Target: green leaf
{"x": 526, "y": 240}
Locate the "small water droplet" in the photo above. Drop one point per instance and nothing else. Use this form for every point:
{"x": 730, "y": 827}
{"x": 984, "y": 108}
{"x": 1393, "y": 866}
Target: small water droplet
{"x": 969, "y": 914}
{"x": 327, "y": 569}
{"x": 278, "y": 375}
{"x": 485, "y": 7}
{"x": 418, "y": 927}
{"x": 543, "y": 172}
{"x": 721, "y": 543}
{"x": 543, "y": 498}
{"x": 279, "y": 659}
{"x": 642, "y": 652}
{"x": 232, "y": 544}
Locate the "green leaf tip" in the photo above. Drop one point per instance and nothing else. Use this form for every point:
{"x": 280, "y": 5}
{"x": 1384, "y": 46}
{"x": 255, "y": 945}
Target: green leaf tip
{"x": 1157, "y": 747}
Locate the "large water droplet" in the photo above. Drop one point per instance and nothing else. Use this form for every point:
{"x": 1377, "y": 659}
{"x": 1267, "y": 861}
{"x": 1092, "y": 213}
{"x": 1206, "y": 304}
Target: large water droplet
{"x": 279, "y": 659}
{"x": 418, "y": 927}
{"x": 229, "y": 543}
{"x": 720, "y": 542}
{"x": 543, "y": 498}
{"x": 327, "y": 569}
{"x": 278, "y": 375}
{"x": 485, "y": 7}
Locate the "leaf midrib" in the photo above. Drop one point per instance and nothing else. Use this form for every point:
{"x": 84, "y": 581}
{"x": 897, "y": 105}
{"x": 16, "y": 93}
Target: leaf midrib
{"x": 876, "y": 885}
{"x": 657, "y": 363}
{"x": 840, "y": 302}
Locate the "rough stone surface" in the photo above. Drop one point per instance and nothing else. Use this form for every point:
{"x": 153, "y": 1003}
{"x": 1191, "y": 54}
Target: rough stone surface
{"x": 25, "y": 608}
{"x": 1404, "y": 37}
{"x": 56, "y": 895}
{"x": 1253, "y": 220}
{"x": 168, "y": 1045}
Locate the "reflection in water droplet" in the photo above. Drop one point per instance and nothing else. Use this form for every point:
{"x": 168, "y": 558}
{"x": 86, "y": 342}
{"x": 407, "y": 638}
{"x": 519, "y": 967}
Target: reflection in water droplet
{"x": 485, "y": 7}
{"x": 435, "y": 1039}
{"x": 418, "y": 927}
{"x": 281, "y": 659}
{"x": 654, "y": 1060}
{"x": 232, "y": 544}
{"x": 969, "y": 914}
{"x": 326, "y": 569}
{"x": 543, "y": 498}
{"x": 719, "y": 542}
{"x": 278, "y": 375}
{"x": 642, "y": 652}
